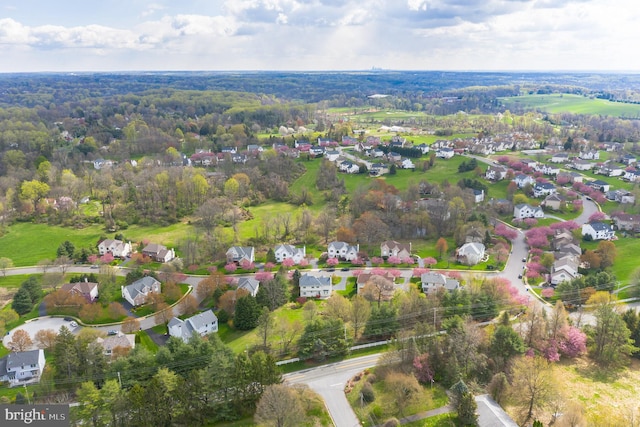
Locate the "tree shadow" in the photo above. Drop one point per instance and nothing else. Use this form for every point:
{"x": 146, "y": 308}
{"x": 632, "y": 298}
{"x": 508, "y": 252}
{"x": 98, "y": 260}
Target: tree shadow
{"x": 598, "y": 373}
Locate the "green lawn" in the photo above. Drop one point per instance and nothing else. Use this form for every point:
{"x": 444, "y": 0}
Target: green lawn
{"x": 442, "y": 420}
{"x": 560, "y": 103}
{"x": 147, "y": 342}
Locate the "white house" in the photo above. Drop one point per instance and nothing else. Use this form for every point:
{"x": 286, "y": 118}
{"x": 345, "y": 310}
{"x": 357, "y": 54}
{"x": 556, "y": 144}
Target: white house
{"x": 589, "y": 155}
{"x": 137, "y": 292}
{"x": 598, "y": 231}
{"x": 548, "y": 169}
{"x": 117, "y": 248}
{"x": 565, "y": 269}
{"x": 342, "y": 250}
{"x": 283, "y": 252}
{"x": 632, "y": 175}
{"x": 496, "y": 173}
{"x": 238, "y": 254}
{"x": 445, "y": 153}
{"x": 249, "y": 284}
{"x": 560, "y": 158}
{"x": 315, "y": 287}
{"x": 204, "y": 323}
{"x": 478, "y": 195}
{"x": 22, "y": 367}
{"x": 523, "y": 210}
{"x": 521, "y": 180}
{"x": 581, "y": 165}
{"x": 470, "y": 253}
{"x": 431, "y": 282}
{"x": 542, "y": 189}
{"x": 348, "y": 167}
{"x": 407, "y": 164}
{"x": 332, "y": 155}
{"x": 599, "y": 185}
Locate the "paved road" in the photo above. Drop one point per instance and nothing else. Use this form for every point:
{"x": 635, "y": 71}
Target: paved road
{"x": 329, "y": 382}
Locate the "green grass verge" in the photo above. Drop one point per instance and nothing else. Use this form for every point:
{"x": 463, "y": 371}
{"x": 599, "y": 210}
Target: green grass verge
{"x": 560, "y": 103}
{"x": 442, "y": 420}
{"x": 147, "y": 342}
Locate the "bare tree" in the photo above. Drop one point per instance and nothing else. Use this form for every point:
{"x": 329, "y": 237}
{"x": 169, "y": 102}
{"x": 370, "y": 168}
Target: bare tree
{"x": 130, "y": 325}
{"x": 45, "y": 338}
{"x": 63, "y": 263}
{"x": 378, "y": 289}
{"x": 5, "y": 263}
{"x": 532, "y": 385}
{"x": 279, "y": 406}
{"x": 287, "y": 333}
{"x": 189, "y": 305}
{"x": 360, "y": 312}
{"x": 266, "y": 326}
{"x": 20, "y": 341}
{"x": 164, "y": 313}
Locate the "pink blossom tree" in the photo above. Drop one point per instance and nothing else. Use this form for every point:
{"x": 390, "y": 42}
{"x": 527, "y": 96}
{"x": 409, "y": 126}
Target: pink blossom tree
{"x": 577, "y": 204}
{"x": 597, "y": 216}
{"x": 506, "y": 232}
{"x": 422, "y": 369}
{"x": 547, "y": 292}
{"x": 408, "y": 260}
{"x": 212, "y": 269}
{"x": 532, "y": 274}
{"x": 357, "y": 261}
{"x": 551, "y": 352}
{"x": 562, "y": 180}
{"x": 106, "y": 258}
{"x": 288, "y": 262}
{"x": 231, "y": 267}
{"x": 246, "y": 264}
{"x": 503, "y": 160}
{"x": 394, "y": 260}
{"x": 304, "y": 262}
{"x": 574, "y": 343}
{"x": 376, "y": 260}
{"x": 419, "y": 271}
{"x": 263, "y": 276}
{"x": 269, "y": 266}
{"x": 429, "y": 261}
{"x": 357, "y": 272}
{"x": 332, "y": 262}
{"x": 92, "y": 259}
{"x": 395, "y": 272}
{"x": 530, "y": 222}
{"x": 231, "y": 280}
{"x": 379, "y": 271}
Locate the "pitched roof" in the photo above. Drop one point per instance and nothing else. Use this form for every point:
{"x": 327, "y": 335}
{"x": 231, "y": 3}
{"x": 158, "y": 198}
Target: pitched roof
{"x": 21, "y": 358}
{"x": 248, "y": 283}
{"x": 137, "y": 287}
{"x": 308, "y": 280}
{"x": 431, "y": 277}
{"x": 82, "y": 287}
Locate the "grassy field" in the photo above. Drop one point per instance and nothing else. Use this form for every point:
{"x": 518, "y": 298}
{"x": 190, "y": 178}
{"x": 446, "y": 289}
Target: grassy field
{"x": 560, "y": 103}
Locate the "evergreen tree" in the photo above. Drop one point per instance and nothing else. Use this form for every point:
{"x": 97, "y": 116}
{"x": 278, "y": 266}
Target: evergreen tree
{"x": 33, "y": 287}
{"x": 382, "y": 323}
{"x": 22, "y": 302}
{"x": 271, "y": 256}
{"x": 247, "y": 313}
{"x": 322, "y": 339}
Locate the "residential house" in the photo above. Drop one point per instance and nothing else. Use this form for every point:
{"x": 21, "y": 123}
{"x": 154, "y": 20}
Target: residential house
{"x": 378, "y": 169}
{"x": 343, "y": 251}
{"x": 239, "y": 158}
{"x": 256, "y": 149}
{"x": 521, "y": 180}
{"x": 470, "y": 253}
{"x": 491, "y": 414}
{"x": 529, "y": 163}
{"x": 204, "y": 158}
{"x": 496, "y": 173}
{"x": 316, "y": 151}
{"x": 598, "y": 231}
{"x": 249, "y": 284}
{"x": 560, "y": 158}
{"x": 626, "y": 222}
{"x": 137, "y": 292}
{"x": 315, "y": 287}
{"x": 238, "y": 254}
{"x": 424, "y": 148}
{"x": 158, "y": 253}
{"x": 478, "y": 195}
{"x": 589, "y": 155}
{"x": 348, "y": 167}
{"x": 445, "y": 153}
{"x": 599, "y": 185}
{"x": 523, "y": 210}
{"x": 628, "y": 159}
{"x": 283, "y": 252}
{"x": 570, "y": 177}
{"x": 201, "y": 324}
{"x": 632, "y": 175}
{"x": 553, "y": 201}
{"x": 126, "y": 342}
{"x": 432, "y": 281}
{"x": 542, "y": 189}
{"x": 407, "y": 164}
{"x": 392, "y": 248}
{"x": 363, "y": 279}
{"x": 549, "y": 169}
{"x": 229, "y": 150}
{"x": 581, "y": 165}
{"x": 117, "y": 248}
{"x": 332, "y": 155}
{"x": 23, "y": 367}
{"x": 375, "y": 153}
{"x": 610, "y": 169}
{"x": 564, "y": 269}
{"x": 393, "y": 157}
{"x": 621, "y": 196}
{"x": 568, "y": 249}
{"x": 87, "y": 290}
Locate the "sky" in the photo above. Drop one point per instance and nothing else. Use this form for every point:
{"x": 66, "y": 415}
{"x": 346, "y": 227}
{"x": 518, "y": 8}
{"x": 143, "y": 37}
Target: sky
{"x": 229, "y": 35}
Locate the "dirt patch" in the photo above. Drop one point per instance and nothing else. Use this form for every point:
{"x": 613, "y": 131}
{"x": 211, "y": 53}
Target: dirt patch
{"x": 6, "y": 295}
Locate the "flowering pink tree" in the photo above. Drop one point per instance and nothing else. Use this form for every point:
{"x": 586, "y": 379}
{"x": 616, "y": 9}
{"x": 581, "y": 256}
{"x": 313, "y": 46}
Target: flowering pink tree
{"x": 356, "y": 273}
{"x": 288, "y": 262}
{"x": 455, "y": 275}
{"x": 395, "y": 272}
{"x": 246, "y": 264}
{"x": 379, "y": 271}
{"x": 193, "y": 267}
{"x": 503, "y": 159}
{"x": 332, "y": 262}
{"x": 408, "y": 260}
{"x": 551, "y": 352}
{"x": 574, "y": 343}
{"x": 565, "y": 225}
{"x": 547, "y": 292}
{"x": 506, "y": 232}
{"x": 536, "y": 252}
{"x": 269, "y": 266}
{"x": 394, "y": 260}
{"x": 533, "y": 274}
{"x": 577, "y": 204}
{"x": 530, "y": 222}
{"x": 106, "y": 258}
{"x": 304, "y": 262}
{"x": 562, "y": 180}
{"x": 429, "y": 261}
{"x": 597, "y": 216}
{"x": 422, "y": 369}
{"x": 376, "y": 260}
{"x": 419, "y": 271}
{"x": 231, "y": 267}
{"x": 92, "y": 259}
{"x": 264, "y": 276}
{"x": 357, "y": 261}
{"x": 231, "y": 280}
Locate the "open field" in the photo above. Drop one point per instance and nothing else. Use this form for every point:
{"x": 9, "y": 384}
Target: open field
{"x": 566, "y": 103}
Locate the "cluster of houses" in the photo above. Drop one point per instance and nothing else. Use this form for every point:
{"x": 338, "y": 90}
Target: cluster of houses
{"x": 566, "y": 252}
{"x": 121, "y": 249}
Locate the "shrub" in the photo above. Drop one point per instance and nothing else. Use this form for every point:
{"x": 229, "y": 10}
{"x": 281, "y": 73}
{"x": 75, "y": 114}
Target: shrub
{"x": 223, "y": 316}
{"x": 368, "y": 395}
{"x": 372, "y": 378}
{"x": 391, "y": 422}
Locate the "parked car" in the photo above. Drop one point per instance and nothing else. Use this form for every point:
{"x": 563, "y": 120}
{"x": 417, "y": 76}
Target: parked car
{"x": 344, "y": 269}
{"x": 73, "y": 324}
{"x": 112, "y": 332}
{"x": 519, "y": 276}
{"x": 68, "y": 319}
{"x": 524, "y": 260}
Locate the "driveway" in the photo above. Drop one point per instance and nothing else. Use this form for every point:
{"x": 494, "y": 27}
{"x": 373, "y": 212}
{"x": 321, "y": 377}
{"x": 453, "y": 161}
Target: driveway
{"x": 37, "y": 324}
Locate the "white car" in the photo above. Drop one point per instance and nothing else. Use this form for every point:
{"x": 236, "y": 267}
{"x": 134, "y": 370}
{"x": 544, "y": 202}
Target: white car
{"x": 73, "y": 324}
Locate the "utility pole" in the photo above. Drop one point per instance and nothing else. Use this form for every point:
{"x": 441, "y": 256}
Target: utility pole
{"x": 434, "y": 318}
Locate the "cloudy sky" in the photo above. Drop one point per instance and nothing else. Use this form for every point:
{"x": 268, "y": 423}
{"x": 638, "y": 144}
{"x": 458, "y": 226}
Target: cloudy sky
{"x": 122, "y": 35}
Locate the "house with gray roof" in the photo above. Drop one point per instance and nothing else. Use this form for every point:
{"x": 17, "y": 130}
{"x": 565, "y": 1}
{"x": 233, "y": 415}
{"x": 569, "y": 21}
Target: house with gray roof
{"x": 158, "y": 252}
{"x": 598, "y": 231}
{"x": 432, "y": 281}
{"x": 110, "y": 343}
{"x": 237, "y": 254}
{"x": 283, "y": 252}
{"x": 202, "y": 324}
{"x": 490, "y": 414}
{"x": 137, "y": 292}
{"x": 470, "y": 253}
{"x": 22, "y": 367}
{"x": 249, "y": 284}
{"x": 315, "y": 286}
{"x": 343, "y": 250}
